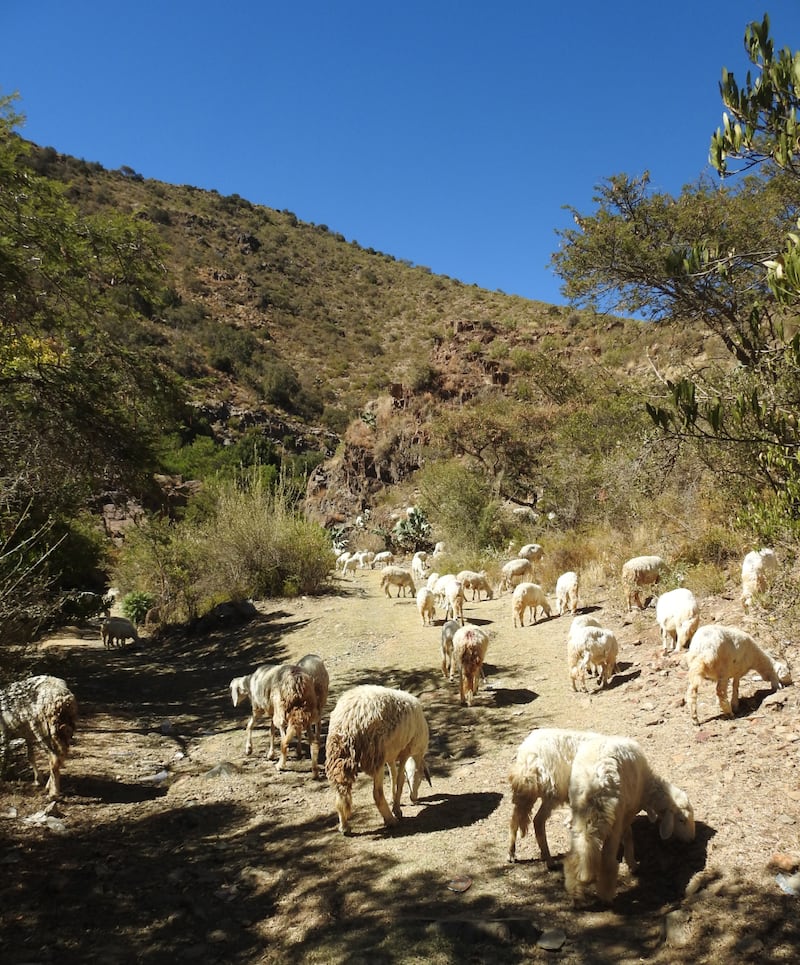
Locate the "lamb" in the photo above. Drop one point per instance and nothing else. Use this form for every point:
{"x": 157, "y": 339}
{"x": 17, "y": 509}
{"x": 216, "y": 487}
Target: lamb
{"x": 426, "y": 606}
{"x": 116, "y": 630}
{"x": 567, "y": 592}
{"x": 382, "y": 558}
{"x": 350, "y": 565}
{"x": 418, "y": 566}
{"x": 514, "y": 572}
{"x": 294, "y": 710}
{"x": 678, "y": 618}
{"x": 370, "y": 727}
{"x": 449, "y": 628}
{"x": 721, "y": 653}
{"x": 542, "y": 770}
{"x": 40, "y": 710}
{"x": 257, "y": 686}
{"x": 477, "y": 582}
{"x": 758, "y": 570}
{"x": 638, "y": 572}
{"x": 454, "y": 600}
{"x": 469, "y": 652}
{"x": 611, "y": 782}
{"x": 591, "y": 646}
{"x": 532, "y": 552}
{"x": 365, "y": 559}
{"x": 575, "y": 635}
{"x": 397, "y": 576}
{"x": 528, "y": 596}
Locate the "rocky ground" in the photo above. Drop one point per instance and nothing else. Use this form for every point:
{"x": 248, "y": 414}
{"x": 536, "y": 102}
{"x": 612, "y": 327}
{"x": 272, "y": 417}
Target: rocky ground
{"x": 169, "y": 844}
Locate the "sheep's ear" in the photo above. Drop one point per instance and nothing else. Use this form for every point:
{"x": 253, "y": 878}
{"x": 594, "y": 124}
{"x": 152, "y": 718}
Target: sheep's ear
{"x": 667, "y": 826}
{"x": 652, "y": 815}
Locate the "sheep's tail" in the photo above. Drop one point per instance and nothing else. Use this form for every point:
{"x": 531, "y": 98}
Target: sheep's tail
{"x": 525, "y": 791}
{"x": 60, "y": 723}
{"x": 427, "y": 774}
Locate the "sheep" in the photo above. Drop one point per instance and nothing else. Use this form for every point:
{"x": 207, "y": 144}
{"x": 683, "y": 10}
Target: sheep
{"x": 433, "y": 579}
{"x": 567, "y": 592}
{"x": 418, "y": 565}
{"x": 532, "y": 552}
{"x": 41, "y": 710}
{"x": 758, "y": 570}
{"x": 638, "y": 572}
{"x": 514, "y": 572}
{"x": 295, "y": 709}
{"x": 528, "y": 596}
{"x": 454, "y": 600}
{"x": 575, "y": 635}
{"x": 610, "y": 783}
{"x": 721, "y": 653}
{"x": 315, "y": 667}
{"x": 382, "y": 558}
{"x": 365, "y": 558}
{"x": 397, "y": 576}
{"x": 350, "y": 565}
{"x": 591, "y": 646}
{"x": 439, "y": 550}
{"x": 678, "y": 618}
{"x": 426, "y": 606}
{"x": 477, "y": 582}
{"x": 469, "y": 652}
{"x": 449, "y": 628}
{"x": 370, "y": 727}
{"x": 340, "y": 559}
{"x": 541, "y": 770}
{"x": 116, "y": 630}
{"x": 257, "y": 686}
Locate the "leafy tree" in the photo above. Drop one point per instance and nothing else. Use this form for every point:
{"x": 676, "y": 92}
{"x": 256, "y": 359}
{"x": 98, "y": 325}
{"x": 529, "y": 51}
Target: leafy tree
{"x": 724, "y": 259}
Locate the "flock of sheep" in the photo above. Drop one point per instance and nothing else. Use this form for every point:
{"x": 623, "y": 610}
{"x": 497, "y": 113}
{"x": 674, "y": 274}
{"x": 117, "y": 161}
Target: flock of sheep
{"x": 606, "y": 780}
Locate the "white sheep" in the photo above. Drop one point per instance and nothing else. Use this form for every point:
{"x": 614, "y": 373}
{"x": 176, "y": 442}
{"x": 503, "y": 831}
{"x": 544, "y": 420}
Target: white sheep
{"x": 344, "y": 555}
{"x": 370, "y": 727}
{"x": 541, "y": 770}
{"x": 759, "y": 568}
{"x": 722, "y": 653}
{"x": 382, "y": 558}
{"x": 514, "y": 572}
{"x": 469, "y": 653}
{"x": 567, "y": 586}
{"x": 439, "y": 550}
{"x": 432, "y": 580}
{"x": 397, "y": 576}
{"x": 426, "y": 606}
{"x": 454, "y": 600}
{"x": 638, "y": 572}
{"x": 610, "y": 783}
{"x": 449, "y": 628}
{"x": 314, "y": 666}
{"x": 528, "y": 596}
{"x": 114, "y": 631}
{"x": 419, "y": 568}
{"x": 477, "y": 582}
{"x": 678, "y": 617}
{"x": 532, "y": 552}
{"x": 365, "y": 558}
{"x": 590, "y": 646}
{"x": 257, "y": 687}
{"x": 350, "y": 565}
{"x": 41, "y": 710}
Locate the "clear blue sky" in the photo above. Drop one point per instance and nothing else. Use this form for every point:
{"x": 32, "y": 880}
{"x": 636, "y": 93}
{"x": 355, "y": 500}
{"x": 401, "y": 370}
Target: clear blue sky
{"x": 448, "y": 133}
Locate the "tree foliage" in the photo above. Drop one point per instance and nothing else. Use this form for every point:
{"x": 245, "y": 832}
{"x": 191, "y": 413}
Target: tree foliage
{"x": 723, "y": 259}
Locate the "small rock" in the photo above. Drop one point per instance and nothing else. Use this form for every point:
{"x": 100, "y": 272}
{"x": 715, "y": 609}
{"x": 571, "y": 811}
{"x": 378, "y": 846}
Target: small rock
{"x": 676, "y": 928}
{"x": 552, "y": 940}
{"x": 790, "y": 885}
{"x": 223, "y": 769}
{"x": 781, "y": 861}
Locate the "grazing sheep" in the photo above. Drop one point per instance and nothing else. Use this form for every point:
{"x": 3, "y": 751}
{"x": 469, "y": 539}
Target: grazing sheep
{"x": 439, "y": 550}
{"x": 469, "y": 652}
{"x": 528, "y": 596}
{"x": 591, "y": 646}
{"x": 40, "y": 710}
{"x": 575, "y": 635}
{"x": 365, "y": 559}
{"x": 315, "y": 667}
{"x": 611, "y": 782}
{"x": 722, "y": 653}
{"x": 257, "y": 686}
{"x": 116, "y": 630}
{"x": 449, "y": 628}
{"x": 541, "y": 770}
{"x": 370, "y": 727}
{"x": 454, "y": 600}
{"x": 514, "y": 572}
{"x": 350, "y": 565}
{"x": 532, "y": 552}
{"x": 397, "y": 576}
{"x": 294, "y": 710}
{"x": 382, "y": 558}
{"x": 678, "y": 617}
{"x": 638, "y": 572}
{"x": 418, "y": 566}
{"x": 477, "y": 582}
{"x": 567, "y": 592}
{"x": 759, "y": 568}
{"x": 426, "y": 606}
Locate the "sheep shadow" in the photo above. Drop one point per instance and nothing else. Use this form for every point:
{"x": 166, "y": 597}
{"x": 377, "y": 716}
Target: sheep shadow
{"x": 109, "y": 791}
{"x": 445, "y": 811}
{"x": 621, "y": 678}
{"x": 508, "y": 696}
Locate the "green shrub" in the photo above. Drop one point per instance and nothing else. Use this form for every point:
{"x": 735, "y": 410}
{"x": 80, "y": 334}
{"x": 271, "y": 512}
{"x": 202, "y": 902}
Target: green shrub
{"x": 135, "y": 605}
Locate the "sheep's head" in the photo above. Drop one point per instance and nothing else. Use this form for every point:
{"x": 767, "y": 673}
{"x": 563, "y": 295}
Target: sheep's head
{"x": 782, "y": 672}
{"x": 239, "y": 690}
{"x": 675, "y": 813}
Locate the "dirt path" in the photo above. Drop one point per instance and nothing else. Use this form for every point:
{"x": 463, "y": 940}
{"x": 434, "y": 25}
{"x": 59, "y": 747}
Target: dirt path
{"x": 174, "y": 845}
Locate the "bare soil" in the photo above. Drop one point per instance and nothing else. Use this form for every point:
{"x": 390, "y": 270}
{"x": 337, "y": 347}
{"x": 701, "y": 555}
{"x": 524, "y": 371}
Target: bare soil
{"x": 170, "y": 845}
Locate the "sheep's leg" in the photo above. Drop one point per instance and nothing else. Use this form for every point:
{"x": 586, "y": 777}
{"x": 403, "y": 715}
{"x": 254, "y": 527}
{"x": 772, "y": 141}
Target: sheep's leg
{"x": 520, "y": 819}
{"x": 539, "y": 822}
{"x": 735, "y": 694}
{"x": 344, "y": 807}
{"x": 248, "y": 734}
{"x": 722, "y": 696}
{"x": 608, "y": 870}
{"x": 627, "y": 844}
{"x": 54, "y": 783}
{"x": 380, "y": 798}
{"x": 398, "y": 778}
{"x": 31, "y": 749}
{"x": 315, "y": 751}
